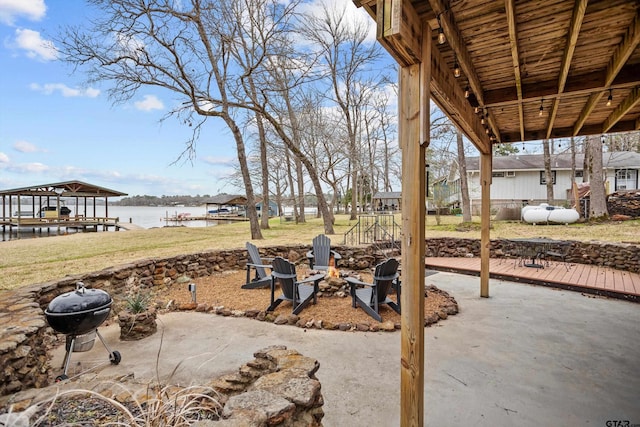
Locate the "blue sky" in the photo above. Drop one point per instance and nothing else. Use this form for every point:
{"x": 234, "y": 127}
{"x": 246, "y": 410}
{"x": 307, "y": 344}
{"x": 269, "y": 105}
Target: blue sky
{"x": 54, "y": 129}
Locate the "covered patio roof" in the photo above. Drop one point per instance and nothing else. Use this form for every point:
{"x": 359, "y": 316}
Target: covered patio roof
{"x": 514, "y": 57}
{"x": 503, "y": 71}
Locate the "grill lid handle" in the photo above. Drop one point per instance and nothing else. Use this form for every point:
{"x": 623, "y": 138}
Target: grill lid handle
{"x": 80, "y": 289}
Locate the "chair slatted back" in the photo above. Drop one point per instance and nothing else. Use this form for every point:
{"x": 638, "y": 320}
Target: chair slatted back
{"x": 321, "y": 250}
{"x": 254, "y": 258}
{"x": 384, "y": 275}
{"x": 285, "y": 272}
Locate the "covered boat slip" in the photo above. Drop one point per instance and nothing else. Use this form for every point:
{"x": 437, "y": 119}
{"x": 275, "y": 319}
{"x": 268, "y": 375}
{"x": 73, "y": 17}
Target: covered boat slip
{"x": 69, "y": 205}
{"x": 503, "y": 71}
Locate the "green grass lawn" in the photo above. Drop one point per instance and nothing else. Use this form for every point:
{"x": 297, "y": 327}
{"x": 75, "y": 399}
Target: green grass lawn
{"x": 35, "y": 260}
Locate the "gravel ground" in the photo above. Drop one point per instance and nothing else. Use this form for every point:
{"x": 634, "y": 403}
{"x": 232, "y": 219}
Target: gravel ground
{"x": 223, "y": 289}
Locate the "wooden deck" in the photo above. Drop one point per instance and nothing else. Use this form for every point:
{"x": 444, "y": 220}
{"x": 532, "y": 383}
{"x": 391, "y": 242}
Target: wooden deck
{"x": 577, "y": 277}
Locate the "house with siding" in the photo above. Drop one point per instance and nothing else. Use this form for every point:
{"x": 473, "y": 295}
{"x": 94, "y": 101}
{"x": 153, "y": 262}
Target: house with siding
{"x": 519, "y": 179}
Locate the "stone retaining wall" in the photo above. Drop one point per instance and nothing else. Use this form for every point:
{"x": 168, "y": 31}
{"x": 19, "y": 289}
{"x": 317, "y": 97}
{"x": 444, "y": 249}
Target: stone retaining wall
{"x": 25, "y": 335}
{"x": 277, "y": 388}
{"x": 24, "y": 332}
{"x": 621, "y": 256}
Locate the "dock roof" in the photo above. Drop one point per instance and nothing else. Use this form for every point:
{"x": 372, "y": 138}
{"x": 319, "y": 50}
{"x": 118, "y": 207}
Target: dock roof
{"x": 63, "y": 189}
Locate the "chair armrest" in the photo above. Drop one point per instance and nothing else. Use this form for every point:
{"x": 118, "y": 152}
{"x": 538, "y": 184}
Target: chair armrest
{"x": 353, "y": 281}
{"x": 336, "y": 255}
{"x": 310, "y": 254}
{"x": 314, "y": 278}
{"x": 259, "y": 265}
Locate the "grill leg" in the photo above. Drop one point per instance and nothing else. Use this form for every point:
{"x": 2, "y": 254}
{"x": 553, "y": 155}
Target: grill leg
{"x": 67, "y": 356}
{"x": 103, "y": 342}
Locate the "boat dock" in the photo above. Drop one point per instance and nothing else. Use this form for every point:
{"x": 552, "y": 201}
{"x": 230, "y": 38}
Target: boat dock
{"x": 77, "y": 223}
{"x": 208, "y": 217}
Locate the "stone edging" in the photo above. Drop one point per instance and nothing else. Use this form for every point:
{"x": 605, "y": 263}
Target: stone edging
{"x": 449, "y": 308}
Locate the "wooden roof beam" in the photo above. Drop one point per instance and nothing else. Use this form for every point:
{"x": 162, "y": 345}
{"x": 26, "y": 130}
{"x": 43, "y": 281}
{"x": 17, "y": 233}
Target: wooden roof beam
{"x": 566, "y": 132}
{"x": 579, "y": 9}
{"x": 622, "y": 109}
{"x": 617, "y": 61}
{"x": 513, "y": 41}
{"x": 399, "y": 31}
{"x": 448, "y": 95}
{"x": 628, "y": 77}
{"x": 458, "y": 45}
{"x": 624, "y": 50}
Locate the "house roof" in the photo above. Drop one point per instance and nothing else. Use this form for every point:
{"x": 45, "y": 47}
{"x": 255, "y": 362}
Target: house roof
{"x": 66, "y": 189}
{"x": 382, "y": 195}
{"x": 227, "y": 199}
{"x": 613, "y": 160}
{"x": 516, "y": 56}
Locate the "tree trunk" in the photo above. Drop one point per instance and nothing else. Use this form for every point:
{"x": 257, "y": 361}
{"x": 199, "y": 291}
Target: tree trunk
{"x": 252, "y": 213}
{"x": 294, "y": 199}
{"x": 464, "y": 185}
{"x": 547, "y": 171}
{"x": 598, "y": 202}
{"x": 264, "y": 221}
{"x": 586, "y": 162}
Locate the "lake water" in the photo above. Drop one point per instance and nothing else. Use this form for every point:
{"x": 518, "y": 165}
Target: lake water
{"x": 144, "y": 216}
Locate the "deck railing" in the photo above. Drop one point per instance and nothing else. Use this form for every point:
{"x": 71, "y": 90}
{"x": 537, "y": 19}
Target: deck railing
{"x": 379, "y": 230}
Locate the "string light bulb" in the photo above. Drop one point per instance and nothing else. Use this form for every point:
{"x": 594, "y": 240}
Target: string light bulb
{"x": 441, "y": 37}
{"x": 467, "y": 91}
{"x": 610, "y": 98}
{"x": 456, "y": 67}
{"x": 541, "y": 112}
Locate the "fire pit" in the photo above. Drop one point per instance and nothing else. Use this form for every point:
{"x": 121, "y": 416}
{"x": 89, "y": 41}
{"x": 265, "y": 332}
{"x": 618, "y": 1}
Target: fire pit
{"x": 77, "y": 314}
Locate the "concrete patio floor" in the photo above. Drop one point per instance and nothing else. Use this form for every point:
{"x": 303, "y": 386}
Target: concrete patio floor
{"x": 527, "y": 356}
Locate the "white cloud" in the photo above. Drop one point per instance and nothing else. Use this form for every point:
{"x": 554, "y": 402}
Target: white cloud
{"x": 65, "y": 90}
{"x": 10, "y": 10}
{"x": 4, "y": 158}
{"x": 150, "y": 102}
{"x": 29, "y": 168}
{"x": 35, "y": 46}
{"x": 220, "y": 161}
{"x": 25, "y": 147}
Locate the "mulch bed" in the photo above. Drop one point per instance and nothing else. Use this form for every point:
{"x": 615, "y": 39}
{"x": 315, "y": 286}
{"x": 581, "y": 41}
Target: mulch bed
{"x": 224, "y": 290}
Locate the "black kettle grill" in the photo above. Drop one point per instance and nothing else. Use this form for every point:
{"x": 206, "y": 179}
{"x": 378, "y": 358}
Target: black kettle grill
{"x": 77, "y": 314}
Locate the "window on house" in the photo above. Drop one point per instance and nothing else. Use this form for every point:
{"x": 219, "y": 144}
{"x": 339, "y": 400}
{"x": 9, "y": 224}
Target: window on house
{"x": 497, "y": 174}
{"x": 543, "y": 180}
{"x": 624, "y": 174}
{"x": 579, "y": 174}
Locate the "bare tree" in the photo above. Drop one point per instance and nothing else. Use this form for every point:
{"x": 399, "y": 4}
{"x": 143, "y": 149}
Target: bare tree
{"x": 547, "y": 170}
{"x": 464, "y": 185}
{"x": 184, "y": 48}
{"x": 348, "y": 59}
{"x": 598, "y": 203}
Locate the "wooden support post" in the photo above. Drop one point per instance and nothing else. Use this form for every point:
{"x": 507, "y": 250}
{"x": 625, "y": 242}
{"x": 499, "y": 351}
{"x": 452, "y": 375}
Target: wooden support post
{"x": 485, "y": 222}
{"x": 414, "y": 138}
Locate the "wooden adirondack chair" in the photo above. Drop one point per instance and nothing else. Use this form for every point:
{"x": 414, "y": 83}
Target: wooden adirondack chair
{"x": 255, "y": 262}
{"x": 298, "y": 292}
{"x": 370, "y": 296}
{"x": 319, "y": 256}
